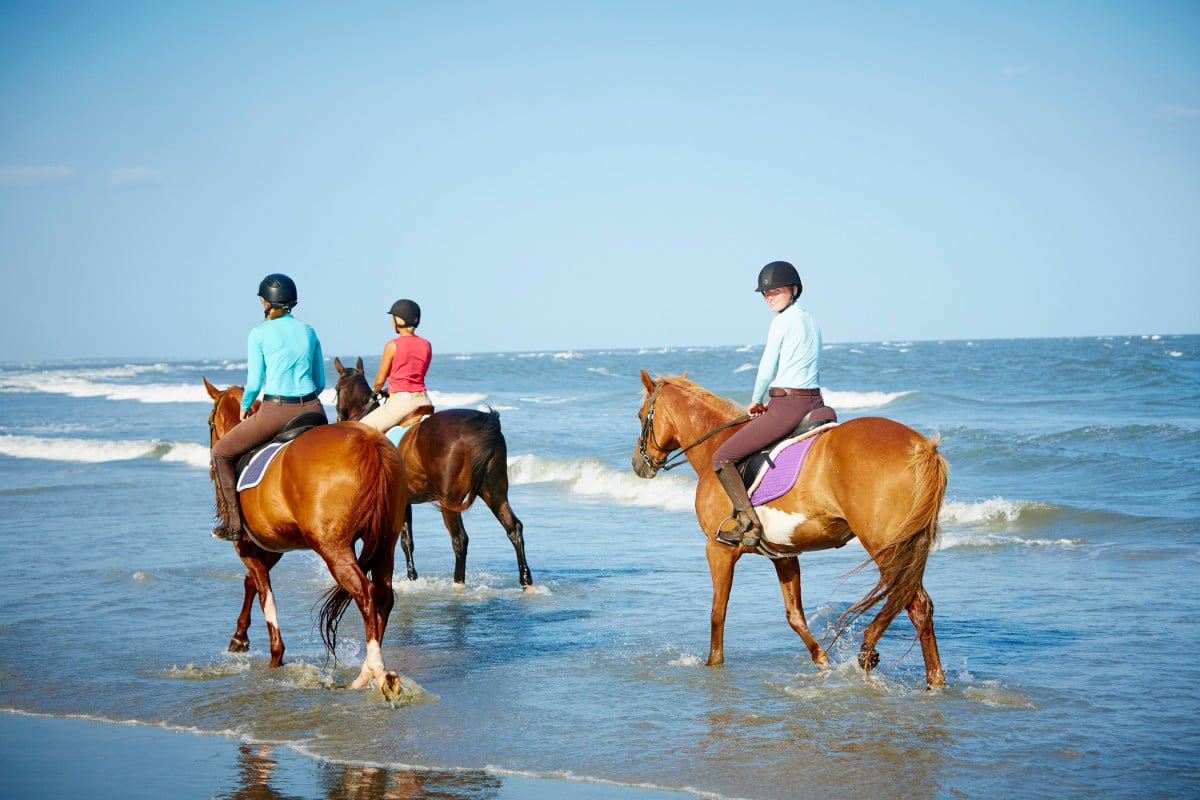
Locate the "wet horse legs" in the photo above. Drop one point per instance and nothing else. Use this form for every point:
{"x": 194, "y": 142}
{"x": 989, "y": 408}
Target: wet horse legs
{"x": 788, "y": 570}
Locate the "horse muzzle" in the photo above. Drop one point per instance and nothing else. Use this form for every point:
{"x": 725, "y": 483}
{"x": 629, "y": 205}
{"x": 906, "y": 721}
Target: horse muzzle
{"x": 642, "y": 466}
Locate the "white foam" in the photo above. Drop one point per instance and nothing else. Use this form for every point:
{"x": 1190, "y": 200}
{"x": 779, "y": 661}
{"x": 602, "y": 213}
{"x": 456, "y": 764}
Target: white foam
{"x": 593, "y": 478}
{"x": 860, "y": 400}
{"x": 94, "y": 451}
{"x": 995, "y": 510}
{"x": 74, "y": 384}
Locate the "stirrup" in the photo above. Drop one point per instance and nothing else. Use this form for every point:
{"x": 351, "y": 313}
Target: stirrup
{"x": 739, "y": 535}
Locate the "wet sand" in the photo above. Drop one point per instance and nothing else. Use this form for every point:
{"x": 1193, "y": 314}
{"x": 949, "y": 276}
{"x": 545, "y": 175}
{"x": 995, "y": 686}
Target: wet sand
{"x": 43, "y": 757}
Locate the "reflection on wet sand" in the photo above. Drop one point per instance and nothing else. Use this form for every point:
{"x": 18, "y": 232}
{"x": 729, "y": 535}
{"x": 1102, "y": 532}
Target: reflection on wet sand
{"x": 260, "y": 779}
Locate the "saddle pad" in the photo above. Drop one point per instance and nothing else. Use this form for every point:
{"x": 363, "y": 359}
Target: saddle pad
{"x": 781, "y": 475}
{"x": 252, "y": 475}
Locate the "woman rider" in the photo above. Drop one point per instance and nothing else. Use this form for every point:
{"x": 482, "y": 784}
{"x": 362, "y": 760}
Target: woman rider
{"x": 787, "y": 387}
{"x": 403, "y": 367}
{"x": 284, "y": 361}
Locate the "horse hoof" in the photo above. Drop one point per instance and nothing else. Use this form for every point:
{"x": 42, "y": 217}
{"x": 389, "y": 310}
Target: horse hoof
{"x": 391, "y": 687}
{"x": 238, "y": 645}
{"x": 868, "y": 661}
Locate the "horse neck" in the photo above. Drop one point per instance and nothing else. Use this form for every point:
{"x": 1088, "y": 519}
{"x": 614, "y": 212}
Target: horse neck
{"x": 694, "y": 416}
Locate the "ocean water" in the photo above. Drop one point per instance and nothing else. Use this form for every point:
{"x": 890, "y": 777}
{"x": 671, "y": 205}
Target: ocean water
{"x": 1066, "y": 583}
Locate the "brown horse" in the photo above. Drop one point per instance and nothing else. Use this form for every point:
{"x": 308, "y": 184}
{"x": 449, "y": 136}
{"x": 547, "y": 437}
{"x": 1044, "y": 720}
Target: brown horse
{"x": 332, "y": 487}
{"x": 870, "y": 478}
{"x": 451, "y": 458}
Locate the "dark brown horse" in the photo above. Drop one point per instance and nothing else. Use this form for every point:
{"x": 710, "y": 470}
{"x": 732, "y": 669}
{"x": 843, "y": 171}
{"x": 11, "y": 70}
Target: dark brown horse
{"x": 451, "y": 457}
{"x": 332, "y": 487}
{"x": 869, "y": 478}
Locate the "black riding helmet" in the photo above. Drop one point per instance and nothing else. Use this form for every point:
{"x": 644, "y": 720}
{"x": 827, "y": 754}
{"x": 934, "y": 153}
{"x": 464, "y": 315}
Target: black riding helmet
{"x": 408, "y": 312}
{"x": 776, "y": 274}
{"x": 279, "y": 290}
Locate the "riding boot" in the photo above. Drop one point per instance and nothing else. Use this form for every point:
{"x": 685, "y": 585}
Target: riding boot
{"x": 229, "y": 511}
{"x": 747, "y": 529}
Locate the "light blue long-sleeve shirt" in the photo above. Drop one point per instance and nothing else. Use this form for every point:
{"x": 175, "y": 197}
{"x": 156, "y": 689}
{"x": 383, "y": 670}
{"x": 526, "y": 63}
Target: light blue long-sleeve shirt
{"x": 792, "y": 357}
{"x": 283, "y": 357}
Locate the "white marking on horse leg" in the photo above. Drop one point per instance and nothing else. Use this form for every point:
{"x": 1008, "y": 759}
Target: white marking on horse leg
{"x": 372, "y": 666}
{"x": 268, "y": 609}
{"x": 778, "y": 526}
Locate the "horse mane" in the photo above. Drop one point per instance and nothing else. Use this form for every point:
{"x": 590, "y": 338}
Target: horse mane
{"x": 704, "y": 396}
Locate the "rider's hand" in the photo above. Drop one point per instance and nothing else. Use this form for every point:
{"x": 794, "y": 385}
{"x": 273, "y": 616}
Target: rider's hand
{"x": 757, "y": 409}
{"x": 242, "y": 414}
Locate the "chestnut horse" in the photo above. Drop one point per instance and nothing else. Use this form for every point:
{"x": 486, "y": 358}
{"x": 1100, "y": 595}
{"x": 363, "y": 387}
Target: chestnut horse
{"x": 451, "y": 457}
{"x": 330, "y": 488}
{"x": 870, "y": 478}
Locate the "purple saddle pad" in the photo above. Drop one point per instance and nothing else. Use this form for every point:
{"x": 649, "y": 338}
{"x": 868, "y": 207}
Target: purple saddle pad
{"x": 254, "y": 471}
{"x": 781, "y": 476}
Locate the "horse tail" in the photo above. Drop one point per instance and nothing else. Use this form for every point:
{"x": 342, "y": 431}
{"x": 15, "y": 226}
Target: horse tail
{"x": 378, "y": 469}
{"x": 902, "y": 563}
{"x": 491, "y": 451}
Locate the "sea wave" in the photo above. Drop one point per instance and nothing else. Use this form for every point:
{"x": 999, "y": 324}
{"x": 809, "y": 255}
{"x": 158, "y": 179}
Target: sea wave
{"x": 74, "y": 384}
{"x": 98, "y": 383}
{"x": 94, "y": 451}
{"x": 595, "y": 479}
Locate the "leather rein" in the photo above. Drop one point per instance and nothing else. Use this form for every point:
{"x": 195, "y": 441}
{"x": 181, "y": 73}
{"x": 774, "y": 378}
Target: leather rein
{"x": 671, "y": 462}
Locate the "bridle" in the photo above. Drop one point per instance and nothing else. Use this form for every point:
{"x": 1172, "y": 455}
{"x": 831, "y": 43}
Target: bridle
{"x": 670, "y": 462}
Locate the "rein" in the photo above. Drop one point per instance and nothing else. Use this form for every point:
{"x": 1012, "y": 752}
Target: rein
{"x": 671, "y": 462}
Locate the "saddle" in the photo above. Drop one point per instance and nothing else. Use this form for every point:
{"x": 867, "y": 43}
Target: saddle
{"x": 290, "y": 430}
{"x": 752, "y": 466}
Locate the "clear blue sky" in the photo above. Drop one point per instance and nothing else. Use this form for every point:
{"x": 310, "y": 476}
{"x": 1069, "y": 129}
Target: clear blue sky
{"x": 577, "y": 175}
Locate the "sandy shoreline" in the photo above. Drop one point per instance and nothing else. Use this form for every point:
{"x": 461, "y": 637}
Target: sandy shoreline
{"x": 74, "y": 758}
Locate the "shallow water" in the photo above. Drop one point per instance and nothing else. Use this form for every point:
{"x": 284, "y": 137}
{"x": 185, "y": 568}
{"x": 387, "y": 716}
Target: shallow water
{"x": 1066, "y": 578}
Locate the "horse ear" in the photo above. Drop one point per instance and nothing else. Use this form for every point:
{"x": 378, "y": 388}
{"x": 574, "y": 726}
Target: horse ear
{"x": 337, "y": 364}
{"x": 359, "y": 365}
{"x": 213, "y": 391}
{"x": 647, "y": 381}
{"x": 684, "y": 375}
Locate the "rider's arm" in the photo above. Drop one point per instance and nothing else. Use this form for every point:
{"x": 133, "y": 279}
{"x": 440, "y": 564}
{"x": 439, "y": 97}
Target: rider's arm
{"x": 256, "y": 367}
{"x": 385, "y": 366}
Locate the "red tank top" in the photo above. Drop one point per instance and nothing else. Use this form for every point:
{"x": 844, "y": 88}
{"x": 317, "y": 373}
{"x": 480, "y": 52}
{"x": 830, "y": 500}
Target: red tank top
{"x": 409, "y": 364}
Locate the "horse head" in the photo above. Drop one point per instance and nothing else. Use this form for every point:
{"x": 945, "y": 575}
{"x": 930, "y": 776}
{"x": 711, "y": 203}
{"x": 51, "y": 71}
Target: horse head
{"x": 658, "y": 437}
{"x": 352, "y": 395}
{"x": 226, "y": 412}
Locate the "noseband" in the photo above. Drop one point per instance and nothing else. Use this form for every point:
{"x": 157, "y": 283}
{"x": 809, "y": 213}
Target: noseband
{"x": 671, "y": 462}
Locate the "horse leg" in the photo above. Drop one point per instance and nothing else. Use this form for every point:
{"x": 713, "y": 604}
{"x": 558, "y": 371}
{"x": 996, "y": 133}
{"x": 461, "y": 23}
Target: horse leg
{"x": 240, "y": 641}
{"x": 349, "y": 576}
{"x": 721, "y": 559}
{"x": 788, "y": 570}
{"x": 406, "y": 542}
{"x": 920, "y": 611}
{"x": 503, "y": 512}
{"x": 258, "y": 565}
{"x": 459, "y": 541}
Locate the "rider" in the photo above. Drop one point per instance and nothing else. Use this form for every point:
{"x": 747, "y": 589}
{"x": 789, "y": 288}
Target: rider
{"x": 405, "y": 362}
{"x": 284, "y": 361}
{"x": 786, "y": 388}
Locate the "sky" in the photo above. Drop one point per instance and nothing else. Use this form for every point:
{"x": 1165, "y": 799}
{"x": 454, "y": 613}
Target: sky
{"x": 594, "y": 175}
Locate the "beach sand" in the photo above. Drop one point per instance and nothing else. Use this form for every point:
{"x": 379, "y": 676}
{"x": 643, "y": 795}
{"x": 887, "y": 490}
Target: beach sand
{"x": 44, "y": 757}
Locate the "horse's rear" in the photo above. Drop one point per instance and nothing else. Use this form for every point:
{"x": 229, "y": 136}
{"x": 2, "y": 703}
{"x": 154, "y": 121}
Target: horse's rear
{"x": 450, "y": 458}
{"x": 302, "y": 500}
{"x": 884, "y": 483}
